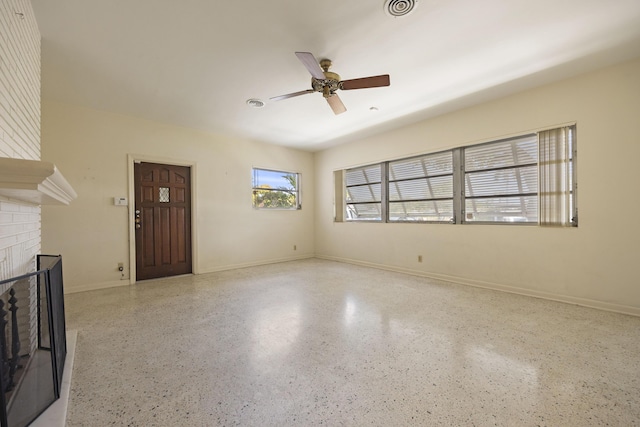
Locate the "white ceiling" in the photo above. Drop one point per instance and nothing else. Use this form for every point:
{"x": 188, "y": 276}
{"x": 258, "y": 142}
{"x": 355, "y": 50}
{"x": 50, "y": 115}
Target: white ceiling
{"x": 194, "y": 63}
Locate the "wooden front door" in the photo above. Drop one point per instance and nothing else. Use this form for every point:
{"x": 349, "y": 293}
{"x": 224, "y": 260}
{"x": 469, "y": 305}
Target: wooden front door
{"x": 162, "y": 220}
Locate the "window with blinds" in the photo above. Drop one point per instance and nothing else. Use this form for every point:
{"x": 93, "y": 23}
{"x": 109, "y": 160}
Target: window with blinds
{"x": 530, "y": 179}
{"x": 501, "y": 181}
{"x": 364, "y": 193}
{"x": 421, "y": 188}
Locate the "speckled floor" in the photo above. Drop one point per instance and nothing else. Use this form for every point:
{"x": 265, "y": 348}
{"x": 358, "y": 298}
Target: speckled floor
{"x": 315, "y": 342}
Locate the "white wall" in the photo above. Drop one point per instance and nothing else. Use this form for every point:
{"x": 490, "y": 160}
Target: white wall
{"x": 595, "y": 264}
{"x": 91, "y": 147}
{"x": 19, "y": 130}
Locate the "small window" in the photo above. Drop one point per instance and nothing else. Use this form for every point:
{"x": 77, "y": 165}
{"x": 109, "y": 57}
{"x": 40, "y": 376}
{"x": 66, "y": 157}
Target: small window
{"x": 163, "y": 194}
{"x": 276, "y": 189}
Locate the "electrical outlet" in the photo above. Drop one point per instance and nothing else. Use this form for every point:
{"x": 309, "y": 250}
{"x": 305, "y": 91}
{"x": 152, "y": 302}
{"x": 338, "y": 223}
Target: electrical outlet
{"x": 419, "y": 258}
{"x": 120, "y": 266}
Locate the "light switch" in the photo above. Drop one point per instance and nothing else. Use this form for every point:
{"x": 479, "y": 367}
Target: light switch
{"x": 120, "y": 201}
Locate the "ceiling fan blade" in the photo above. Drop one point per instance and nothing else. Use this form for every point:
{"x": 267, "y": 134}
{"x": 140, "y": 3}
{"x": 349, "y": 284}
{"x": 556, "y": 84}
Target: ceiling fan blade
{"x": 365, "y": 82}
{"x": 336, "y": 104}
{"x": 309, "y": 61}
{"x": 291, "y": 95}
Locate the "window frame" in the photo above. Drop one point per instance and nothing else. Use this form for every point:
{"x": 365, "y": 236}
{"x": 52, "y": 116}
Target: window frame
{"x": 573, "y": 131}
{"x": 296, "y": 192}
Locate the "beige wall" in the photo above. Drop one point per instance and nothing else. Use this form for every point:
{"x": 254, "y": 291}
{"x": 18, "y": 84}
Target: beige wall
{"x": 591, "y": 265}
{"x": 92, "y": 234}
{"x": 19, "y": 131}
{"x": 595, "y": 264}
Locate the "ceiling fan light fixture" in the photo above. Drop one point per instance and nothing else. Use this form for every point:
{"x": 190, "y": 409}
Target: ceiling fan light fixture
{"x": 397, "y": 8}
{"x": 255, "y": 103}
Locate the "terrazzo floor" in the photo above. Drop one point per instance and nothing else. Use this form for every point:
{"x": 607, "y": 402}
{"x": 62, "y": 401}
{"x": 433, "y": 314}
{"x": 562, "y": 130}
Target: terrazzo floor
{"x": 316, "y": 342}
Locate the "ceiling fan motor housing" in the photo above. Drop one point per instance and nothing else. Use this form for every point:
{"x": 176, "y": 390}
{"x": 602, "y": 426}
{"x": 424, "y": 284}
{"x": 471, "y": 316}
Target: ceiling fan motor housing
{"x": 328, "y": 86}
{"x": 331, "y": 82}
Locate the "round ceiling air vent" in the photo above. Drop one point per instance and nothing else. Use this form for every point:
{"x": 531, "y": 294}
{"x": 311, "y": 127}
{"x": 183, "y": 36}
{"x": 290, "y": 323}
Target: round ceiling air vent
{"x": 398, "y": 8}
{"x": 255, "y": 103}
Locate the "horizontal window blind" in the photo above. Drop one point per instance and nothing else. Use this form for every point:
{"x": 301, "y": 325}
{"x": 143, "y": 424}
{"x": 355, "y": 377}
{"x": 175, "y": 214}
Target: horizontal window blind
{"x": 364, "y": 193}
{"x": 502, "y": 209}
{"x": 501, "y": 181}
{"x": 417, "y": 167}
{"x": 505, "y": 153}
{"x": 434, "y": 210}
{"x": 421, "y": 188}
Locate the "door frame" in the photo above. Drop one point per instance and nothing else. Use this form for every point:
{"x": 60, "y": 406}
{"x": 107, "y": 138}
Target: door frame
{"x": 139, "y": 158}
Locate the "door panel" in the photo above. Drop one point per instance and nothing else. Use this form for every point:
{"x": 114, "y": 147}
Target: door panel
{"x": 163, "y": 220}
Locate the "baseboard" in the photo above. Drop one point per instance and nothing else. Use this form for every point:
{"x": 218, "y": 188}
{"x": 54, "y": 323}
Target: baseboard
{"x": 601, "y": 305}
{"x": 116, "y": 283}
{"x": 255, "y": 263}
{"x": 96, "y": 286}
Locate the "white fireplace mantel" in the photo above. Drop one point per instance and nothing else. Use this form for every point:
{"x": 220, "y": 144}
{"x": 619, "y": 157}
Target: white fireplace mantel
{"x": 34, "y": 181}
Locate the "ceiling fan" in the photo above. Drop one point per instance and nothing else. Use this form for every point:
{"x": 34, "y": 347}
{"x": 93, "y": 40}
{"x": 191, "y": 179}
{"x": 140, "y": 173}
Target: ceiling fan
{"x": 326, "y": 82}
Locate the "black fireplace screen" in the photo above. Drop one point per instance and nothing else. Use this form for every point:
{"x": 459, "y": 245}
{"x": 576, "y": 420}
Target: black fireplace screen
{"x": 32, "y": 342}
